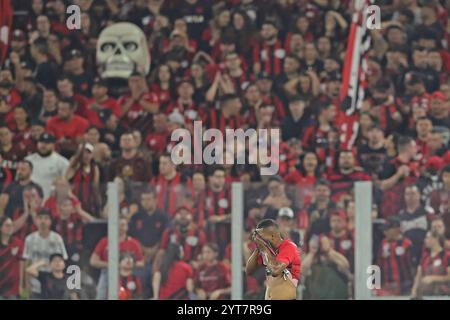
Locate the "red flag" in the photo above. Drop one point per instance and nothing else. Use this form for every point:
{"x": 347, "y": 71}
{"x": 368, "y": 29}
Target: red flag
{"x": 354, "y": 75}
{"x": 6, "y": 19}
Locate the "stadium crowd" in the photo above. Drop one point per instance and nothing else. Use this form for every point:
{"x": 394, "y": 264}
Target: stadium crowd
{"x": 64, "y": 134}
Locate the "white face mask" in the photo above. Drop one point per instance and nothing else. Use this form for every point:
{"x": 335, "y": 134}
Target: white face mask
{"x": 122, "y": 48}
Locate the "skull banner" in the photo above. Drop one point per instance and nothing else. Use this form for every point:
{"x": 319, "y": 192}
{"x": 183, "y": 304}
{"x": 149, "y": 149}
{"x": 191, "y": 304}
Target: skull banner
{"x": 121, "y": 49}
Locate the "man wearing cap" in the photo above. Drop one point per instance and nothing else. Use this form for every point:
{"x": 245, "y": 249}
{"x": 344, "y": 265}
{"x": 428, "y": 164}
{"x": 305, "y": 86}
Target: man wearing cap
{"x": 286, "y": 222}
{"x": 138, "y": 101}
{"x": 54, "y": 281}
{"x": 74, "y": 66}
{"x": 440, "y": 110}
{"x": 47, "y": 164}
{"x": 100, "y": 101}
{"x": 19, "y": 45}
{"x": 394, "y": 260}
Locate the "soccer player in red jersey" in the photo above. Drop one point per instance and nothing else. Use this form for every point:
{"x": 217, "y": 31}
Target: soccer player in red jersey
{"x": 281, "y": 259}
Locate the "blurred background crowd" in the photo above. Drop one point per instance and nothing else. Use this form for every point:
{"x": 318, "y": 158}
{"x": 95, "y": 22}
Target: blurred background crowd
{"x": 65, "y": 132}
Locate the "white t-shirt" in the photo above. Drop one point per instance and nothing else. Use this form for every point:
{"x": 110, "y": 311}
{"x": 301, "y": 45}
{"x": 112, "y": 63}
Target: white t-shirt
{"x": 38, "y": 248}
{"x": 46, "y": 169}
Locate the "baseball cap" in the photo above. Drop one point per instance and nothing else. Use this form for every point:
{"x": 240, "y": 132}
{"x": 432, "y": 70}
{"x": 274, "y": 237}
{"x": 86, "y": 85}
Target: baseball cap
{"x": 438, "y": 95}
{"x": 391, "y": 222}
{"x": 18, "y": 35}
{"x": 434, "y": 162}
{"x": 89, "y": 147}
{"x": 286, "y": 212}
{"x": 74, "y": 53}
{"x": 99, "y": 82}
{"x": 47, "y": 138}
{"x": 415, "y": 78}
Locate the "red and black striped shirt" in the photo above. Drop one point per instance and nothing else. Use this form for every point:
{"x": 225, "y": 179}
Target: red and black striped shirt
{"x": 170, "y": 192}
{"x": 192, "y": 241}
{"x": 70, "y": 229}
{"x": 218, "y": 204}
{"x": 132, "y": 285}
{"x": 215, "y": 119}
{"x": 10, "y": 267}
{"x": 85, "y": 190}
{"x": 396, "y": 266}
{"x": 27, "y": 228}
{"x": 270, "y": 57}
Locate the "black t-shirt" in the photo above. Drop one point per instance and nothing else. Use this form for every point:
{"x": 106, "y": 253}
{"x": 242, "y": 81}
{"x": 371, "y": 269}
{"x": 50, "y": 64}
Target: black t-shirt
{"x": 372, "y": 160}
{"x": 53, "y": 288}
{"x": 293, "y": 129}
{"x": 322, "y": 224}
{"x": 414, "y": 226}
{"x": 82, "y": 83}
{"x": 46, "y": 74}
{"x": 148, "y": 228}
{"x": 15, "y": 193}
{"x": 196, "y": 16}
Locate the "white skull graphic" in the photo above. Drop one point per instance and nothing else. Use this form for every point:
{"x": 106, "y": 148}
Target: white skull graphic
{"x": 121, "y": 49}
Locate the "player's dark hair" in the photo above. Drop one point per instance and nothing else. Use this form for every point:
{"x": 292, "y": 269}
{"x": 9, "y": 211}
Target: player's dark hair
{"x": 28, "y": 162}
{"x": 33, "y": 187}
{"x": 44, "y": 212}
{"x": 266, "y": 223}
{"x": 402, "y": 142}
{"x": 69, "y": 101}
